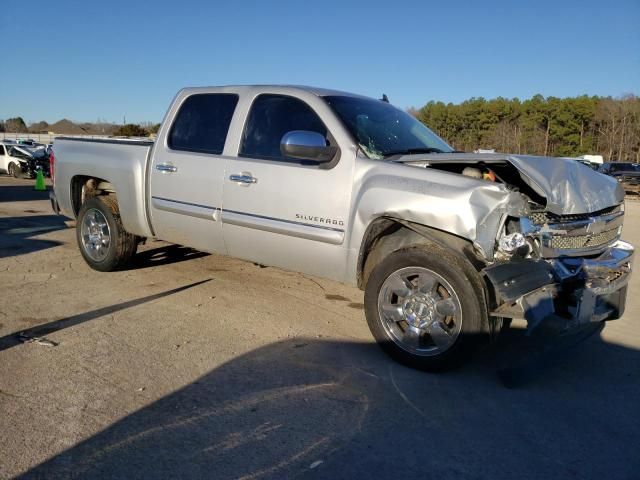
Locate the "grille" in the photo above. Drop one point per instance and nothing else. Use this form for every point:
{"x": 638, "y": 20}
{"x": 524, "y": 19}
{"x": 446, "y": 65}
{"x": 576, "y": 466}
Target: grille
{"x": 540, "y": 218}
{"x": 583, "y": 241}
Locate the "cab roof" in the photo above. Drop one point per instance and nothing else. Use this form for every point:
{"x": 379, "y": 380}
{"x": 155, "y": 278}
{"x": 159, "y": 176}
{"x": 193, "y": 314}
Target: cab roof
{"x": 282, "y": 89}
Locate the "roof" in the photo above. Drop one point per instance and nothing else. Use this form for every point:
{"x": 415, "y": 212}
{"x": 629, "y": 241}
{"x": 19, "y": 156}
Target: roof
{"x": 246, "y": 89}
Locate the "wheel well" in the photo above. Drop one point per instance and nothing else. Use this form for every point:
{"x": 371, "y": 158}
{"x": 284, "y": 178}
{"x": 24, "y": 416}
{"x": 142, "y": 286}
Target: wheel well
{"x": 386, "y": 235}
{"x": 84, "y": 187}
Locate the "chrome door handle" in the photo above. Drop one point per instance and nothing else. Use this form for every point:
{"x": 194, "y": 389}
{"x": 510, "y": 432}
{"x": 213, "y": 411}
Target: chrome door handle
{"x": 243, "y": 178}
{"x": 166, "y": 168}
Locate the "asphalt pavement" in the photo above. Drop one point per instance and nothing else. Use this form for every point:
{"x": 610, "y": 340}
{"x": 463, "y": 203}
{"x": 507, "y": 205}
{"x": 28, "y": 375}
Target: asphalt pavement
{"x": 191, "y": 365}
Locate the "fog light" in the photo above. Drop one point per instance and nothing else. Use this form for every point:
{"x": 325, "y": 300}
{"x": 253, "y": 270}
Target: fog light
{"x": 510, "y": 243}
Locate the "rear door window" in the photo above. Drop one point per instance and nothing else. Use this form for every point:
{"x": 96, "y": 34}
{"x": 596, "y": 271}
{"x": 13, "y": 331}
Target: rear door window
{"x": 2, "y": 152}
{"x": 202, "y": 123}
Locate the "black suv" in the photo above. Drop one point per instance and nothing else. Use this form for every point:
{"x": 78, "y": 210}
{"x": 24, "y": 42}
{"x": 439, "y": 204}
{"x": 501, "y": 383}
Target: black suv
{"x": 628, "y": 174}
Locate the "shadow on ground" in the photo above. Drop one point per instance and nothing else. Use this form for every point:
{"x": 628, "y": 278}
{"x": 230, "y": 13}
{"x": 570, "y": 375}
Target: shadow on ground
{"x": 164, "y": 255}
{"x": 330, "y": 409}
{"x": 17, "y": 233}
{"x": 13, "y": 339}
{"x": 21, "y": 193}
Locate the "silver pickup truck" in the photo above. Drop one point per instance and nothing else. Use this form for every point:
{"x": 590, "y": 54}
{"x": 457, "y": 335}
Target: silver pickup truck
{"x": 448, "y": 246}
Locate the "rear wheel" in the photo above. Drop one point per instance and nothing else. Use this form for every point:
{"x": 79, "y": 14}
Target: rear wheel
{"x": 424, "y": 310}
{"x": 104, "y": 243}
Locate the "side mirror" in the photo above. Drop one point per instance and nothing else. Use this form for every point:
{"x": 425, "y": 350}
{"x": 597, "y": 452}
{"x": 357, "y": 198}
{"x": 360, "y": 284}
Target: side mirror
{"x": 306, "y": 145}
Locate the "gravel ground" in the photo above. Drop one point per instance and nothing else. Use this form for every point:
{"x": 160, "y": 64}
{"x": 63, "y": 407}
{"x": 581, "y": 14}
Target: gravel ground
{"x": 194, "y": 365}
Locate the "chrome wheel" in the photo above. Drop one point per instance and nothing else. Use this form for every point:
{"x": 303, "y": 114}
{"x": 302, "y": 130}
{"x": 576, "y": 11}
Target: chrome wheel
{"x": 95, "y": 234}
{"x": 420, "y": 311}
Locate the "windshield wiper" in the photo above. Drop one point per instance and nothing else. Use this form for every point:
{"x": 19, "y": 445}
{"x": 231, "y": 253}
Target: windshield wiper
{"x": 412, "y": 151}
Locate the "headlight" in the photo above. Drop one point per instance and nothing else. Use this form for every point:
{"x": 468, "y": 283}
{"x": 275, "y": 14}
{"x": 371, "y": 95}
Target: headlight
{"x": 510, "y": 243}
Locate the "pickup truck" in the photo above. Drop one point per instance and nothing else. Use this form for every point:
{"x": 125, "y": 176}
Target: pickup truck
{"x": 627, "y": 174}
{"x": 447, "y": 246}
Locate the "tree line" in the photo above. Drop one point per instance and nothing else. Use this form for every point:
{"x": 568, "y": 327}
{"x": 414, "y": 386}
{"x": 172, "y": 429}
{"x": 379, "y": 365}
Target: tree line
{"x": 64, "y": 126}
{"x": 563, "y": 127}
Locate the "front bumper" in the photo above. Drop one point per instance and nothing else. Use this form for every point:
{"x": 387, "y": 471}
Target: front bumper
{"x": 571, "y": 290}
{"x": 30, "y": 169}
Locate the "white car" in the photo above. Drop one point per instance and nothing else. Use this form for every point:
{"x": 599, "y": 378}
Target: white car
{"x": 7, "y": 163}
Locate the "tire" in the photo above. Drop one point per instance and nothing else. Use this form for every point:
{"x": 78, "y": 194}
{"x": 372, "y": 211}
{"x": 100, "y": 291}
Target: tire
{"x": 425, "y": 307}
{"x": 16, "y": 171}
{"x": 11, "y": 169}
{"x": 104, "y": 243}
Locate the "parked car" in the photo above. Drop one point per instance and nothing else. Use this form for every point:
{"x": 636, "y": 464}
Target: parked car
{"x": 24, "y": 161}
{"x": 447, "y": 246}
{"x": 627, "y": 174}
{"x": 7, "y": 164}
{"x": 16, "y": 159}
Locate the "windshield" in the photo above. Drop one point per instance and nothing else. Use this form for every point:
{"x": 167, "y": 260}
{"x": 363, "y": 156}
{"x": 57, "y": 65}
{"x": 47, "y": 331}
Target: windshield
{"x": 625, "y": 167}
{"x": 383, "y": 130}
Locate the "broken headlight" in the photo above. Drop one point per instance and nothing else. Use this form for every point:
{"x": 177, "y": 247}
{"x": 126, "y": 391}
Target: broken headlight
{"x": 512, "y": 242}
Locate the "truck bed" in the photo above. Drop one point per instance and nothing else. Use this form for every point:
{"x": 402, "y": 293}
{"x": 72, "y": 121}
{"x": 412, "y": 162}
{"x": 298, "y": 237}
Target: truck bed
{"x": 122, "y": 161}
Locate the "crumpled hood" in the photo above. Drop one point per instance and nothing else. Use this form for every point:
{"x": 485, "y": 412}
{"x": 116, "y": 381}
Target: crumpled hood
{"x": 568, "y": 186}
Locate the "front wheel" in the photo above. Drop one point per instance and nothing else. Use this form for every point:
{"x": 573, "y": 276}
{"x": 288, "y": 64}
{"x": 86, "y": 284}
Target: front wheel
{"x": 104, "y": 243}
{"x": 424, "y": 309}
{"x": 14, "y": 170}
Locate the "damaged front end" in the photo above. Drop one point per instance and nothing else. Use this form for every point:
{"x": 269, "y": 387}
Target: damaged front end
{"x": 566, "y": 291}
{"x": 560, "y": 260}
{"x": 566, "y": 269}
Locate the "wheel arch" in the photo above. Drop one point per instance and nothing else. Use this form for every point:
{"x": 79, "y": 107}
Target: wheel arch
{"x": 83, "y": 187}
{"x": 386, "y": 234}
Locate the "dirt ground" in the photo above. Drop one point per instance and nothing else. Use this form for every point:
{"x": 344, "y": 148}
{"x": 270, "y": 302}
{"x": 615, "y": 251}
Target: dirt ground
{"x": 194, "y": 365}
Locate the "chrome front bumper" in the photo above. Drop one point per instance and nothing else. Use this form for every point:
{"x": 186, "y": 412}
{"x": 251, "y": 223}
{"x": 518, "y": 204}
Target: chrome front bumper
{"x": 606, "y": 277}
{"x": 571, "y": 290}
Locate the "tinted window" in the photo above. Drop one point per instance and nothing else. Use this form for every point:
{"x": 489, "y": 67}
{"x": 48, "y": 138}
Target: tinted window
{"x": 202, "y": 123}
{"x": 272, "y": 116}
{"x": 1, "y": 149}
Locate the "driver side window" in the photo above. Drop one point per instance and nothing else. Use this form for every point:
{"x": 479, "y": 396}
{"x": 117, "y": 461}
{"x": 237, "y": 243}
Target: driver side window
{"x": 270, "y": 117}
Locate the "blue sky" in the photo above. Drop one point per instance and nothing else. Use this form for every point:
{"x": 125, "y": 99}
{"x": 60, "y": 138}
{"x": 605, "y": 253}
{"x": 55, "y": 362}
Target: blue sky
{"x": 85, "y": 60}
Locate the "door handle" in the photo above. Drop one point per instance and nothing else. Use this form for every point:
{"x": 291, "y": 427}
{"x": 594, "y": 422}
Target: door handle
{"x": 166, "y": 168}
{"x": 243, "y": 177}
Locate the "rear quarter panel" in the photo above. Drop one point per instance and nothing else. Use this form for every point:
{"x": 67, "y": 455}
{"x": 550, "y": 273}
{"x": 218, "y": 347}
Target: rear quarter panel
{"x": 121, "y": 163}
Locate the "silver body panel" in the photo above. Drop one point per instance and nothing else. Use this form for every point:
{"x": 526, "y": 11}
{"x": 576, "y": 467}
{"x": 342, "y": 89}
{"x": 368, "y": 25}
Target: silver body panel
{"x": 122, "y": 162}
{"x": 298, "y": 217}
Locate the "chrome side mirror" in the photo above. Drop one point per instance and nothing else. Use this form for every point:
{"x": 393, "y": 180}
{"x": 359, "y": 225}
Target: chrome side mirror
{"x": 306, "y": 145}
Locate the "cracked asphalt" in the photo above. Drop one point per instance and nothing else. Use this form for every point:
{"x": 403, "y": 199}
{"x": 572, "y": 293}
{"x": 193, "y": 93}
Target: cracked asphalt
{"x": 190, "y": 365}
